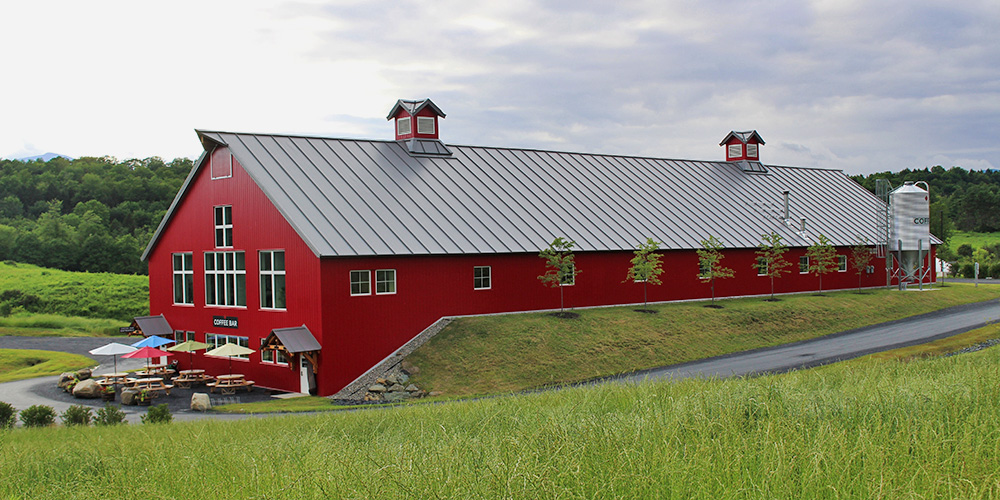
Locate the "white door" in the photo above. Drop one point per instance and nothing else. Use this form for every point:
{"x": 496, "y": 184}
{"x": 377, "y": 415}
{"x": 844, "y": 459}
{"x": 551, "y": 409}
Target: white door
{"x": 305, "y": 374}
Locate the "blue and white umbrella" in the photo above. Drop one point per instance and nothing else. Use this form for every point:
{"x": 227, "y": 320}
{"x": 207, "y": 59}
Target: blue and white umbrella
{"x": 152, "y": 341}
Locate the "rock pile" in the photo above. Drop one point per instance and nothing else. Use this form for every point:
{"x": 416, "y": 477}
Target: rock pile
{"x": 393, "y": 387}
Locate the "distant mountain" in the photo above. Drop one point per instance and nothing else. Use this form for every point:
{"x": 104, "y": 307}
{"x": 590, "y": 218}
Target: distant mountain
{"x": 45, "y": 157}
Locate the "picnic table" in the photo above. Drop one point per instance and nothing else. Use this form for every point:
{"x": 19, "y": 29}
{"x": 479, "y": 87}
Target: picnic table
{"x": 113, "y": 379}
{"x": 152, "y": 384}
{"x": 155, "y": 370}
{"x": 193, "y": 376}
{"x": 228, "y": 384}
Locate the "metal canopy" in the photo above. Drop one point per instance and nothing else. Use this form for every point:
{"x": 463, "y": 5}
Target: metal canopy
{"x": 152, "y": 325}
{"x": 294, "y": 340}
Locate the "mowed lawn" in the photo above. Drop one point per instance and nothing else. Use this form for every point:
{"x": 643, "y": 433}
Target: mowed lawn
{"x": 20, "y": 364}
{"x": 496, "y": 354}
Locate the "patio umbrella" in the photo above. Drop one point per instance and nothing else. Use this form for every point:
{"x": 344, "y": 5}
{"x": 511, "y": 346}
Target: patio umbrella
{"x": 151, "y": 341}
{"x": 147, "y": 352}
{"x": 113, "y": 349}
{"x": 230, "y": 349}
{"x": 190, "y": 347}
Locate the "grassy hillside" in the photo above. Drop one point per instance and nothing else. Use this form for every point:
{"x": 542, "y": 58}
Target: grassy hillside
{"x": 977, "y": 240}
{"x": 491, "y": 354}
{"x": 925, "y": 429}
{"x": 24, "y": 287}
{"x": 19, "y": 364}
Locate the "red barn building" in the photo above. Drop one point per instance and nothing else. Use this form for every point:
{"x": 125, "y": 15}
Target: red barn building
{"x": 333, "y": 253}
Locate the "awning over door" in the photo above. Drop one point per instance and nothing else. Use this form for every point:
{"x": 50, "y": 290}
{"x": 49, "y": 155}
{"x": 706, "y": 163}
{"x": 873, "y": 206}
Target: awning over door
{"x": 152, "y": 325}
{"x": 295, "y": 340}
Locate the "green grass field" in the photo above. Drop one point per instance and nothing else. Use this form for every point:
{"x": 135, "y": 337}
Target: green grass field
{"x": 93, "y": 295}
{"x": 20, "y": 364}
{"x": 496, "y": 354}
{"x": 872, "y": 430}
{"x": 977, "y": 240}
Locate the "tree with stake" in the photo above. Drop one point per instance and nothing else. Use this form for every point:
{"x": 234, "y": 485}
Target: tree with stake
{"x": 645, "y": 267}
{"x": 822, "y": 258}
{"x": 861, "y": 256}
{"x": 771, "y": 260}
{"x": 560, "y": 268}
{"x": 709, "y": 267}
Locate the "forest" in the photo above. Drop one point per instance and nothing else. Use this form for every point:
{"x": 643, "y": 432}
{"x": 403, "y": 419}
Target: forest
{"x": 88, "y": 214}
{"x": 97, "y": 214}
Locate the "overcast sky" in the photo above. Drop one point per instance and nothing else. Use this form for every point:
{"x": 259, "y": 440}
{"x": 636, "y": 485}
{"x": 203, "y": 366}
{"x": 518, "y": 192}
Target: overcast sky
{"x": 862, "y": 86}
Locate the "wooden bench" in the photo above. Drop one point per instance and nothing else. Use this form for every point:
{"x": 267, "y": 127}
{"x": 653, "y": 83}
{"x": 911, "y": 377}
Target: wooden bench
{"x": 230, "y": 388}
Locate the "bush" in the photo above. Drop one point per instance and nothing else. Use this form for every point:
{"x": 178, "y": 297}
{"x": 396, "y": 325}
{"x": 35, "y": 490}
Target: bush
{"x": 8, "y": 415}
{"x": 965, "y": 250}
{"x": 109, "y": 415}
{"x": 968, "y": 271}
{"x": 77, "y": 415}
{"x": 38, "y": 416}
{"x": 159, "y": 414}
{"x": 994, "y": 271}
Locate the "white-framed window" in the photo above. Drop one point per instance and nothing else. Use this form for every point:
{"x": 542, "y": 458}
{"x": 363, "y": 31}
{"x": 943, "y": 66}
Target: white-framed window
{"x": 761, "y": 266}
{"x": 403, "y": 126}
{"x": 272, "y": 355}
{"x": 180, "y": 336}
{"x": 702, "y": 268}
{"x": 842, "y": 263}
{"x": 569, "y": 277}
{"x": 751, "y": 150}
{"x": 224, "y": 226}
{"x": 225, "y": 279}
{"x": 221, "y": 164}
{"x": 735, "y": 150}
{"x": 361, "y": 282}
{"x": 804, "y": 264}
{"x": 218, "y": 340}
{"x": 481, "y": 278}
{"x": 385, "y": 281}
{"x": 272, "y": 279}
{"x": 425, "y": 125}
{"x": 183, "y": 278}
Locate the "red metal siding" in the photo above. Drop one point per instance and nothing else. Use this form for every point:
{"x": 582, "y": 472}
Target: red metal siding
{"x": 257, "y": 225}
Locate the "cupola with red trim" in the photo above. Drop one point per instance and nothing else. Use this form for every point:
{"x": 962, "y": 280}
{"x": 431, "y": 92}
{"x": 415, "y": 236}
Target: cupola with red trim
{"x": 415, "y": 119}
{"x": 742, "y": 145}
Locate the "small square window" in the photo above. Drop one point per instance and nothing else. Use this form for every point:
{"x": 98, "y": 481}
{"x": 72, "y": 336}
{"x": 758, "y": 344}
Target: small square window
{"x": 804, "y": 264}
{"x": 385, "y": 281}
{"x": 361, "y": 283}
{"x": 761, "y": 266}
{"x": 751, "y": 150}
{"x": 481, "y": 278}
{"x": 403, "y": 126}
{"x": 842, "y": 263}
{"x": 735, "y": 150}
{"x": 425, "y": 125}
{"x": 569, "y": 277}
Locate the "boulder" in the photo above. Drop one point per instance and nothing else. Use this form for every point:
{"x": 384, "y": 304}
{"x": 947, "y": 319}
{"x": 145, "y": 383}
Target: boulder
{"x": 376, "y": 388}
{"x": 396, "y": 396}
{"x": 84, "y": 374}
{"x": 402, "y": 378}
{"x": 412, "y": 388}
{"x": 380, "y": 380}
{"x": 65, "y": 380}
{"x": 391, "y": 379}
{"x": 435, "y": 394}
{"x": 200, "y": 402}
{"x": 87, "y": 389}
{"x": 396, "y": 388}
{"x": 410, "y": 368}
{"x": 129, "y": 396}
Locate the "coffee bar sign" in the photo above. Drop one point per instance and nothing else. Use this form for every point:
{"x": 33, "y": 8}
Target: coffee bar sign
{"x": 225, "y": 322}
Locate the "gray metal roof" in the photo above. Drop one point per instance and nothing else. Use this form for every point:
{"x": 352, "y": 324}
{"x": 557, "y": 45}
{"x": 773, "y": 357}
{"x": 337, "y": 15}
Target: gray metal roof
{"x": 743, "y": 136}
{"x": 296, "y": 339}
{"x": 363, "y": 197}
{"x": 153, "y": 325}
{"x": 413, "y": 107}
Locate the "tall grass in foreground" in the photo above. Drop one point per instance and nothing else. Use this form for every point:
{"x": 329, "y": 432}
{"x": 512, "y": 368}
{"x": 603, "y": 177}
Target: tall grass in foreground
{"x": 927, "y": 429}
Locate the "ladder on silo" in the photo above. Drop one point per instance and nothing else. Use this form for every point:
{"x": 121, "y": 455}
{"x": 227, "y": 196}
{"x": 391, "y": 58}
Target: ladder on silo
{"x": 882, "y": 218}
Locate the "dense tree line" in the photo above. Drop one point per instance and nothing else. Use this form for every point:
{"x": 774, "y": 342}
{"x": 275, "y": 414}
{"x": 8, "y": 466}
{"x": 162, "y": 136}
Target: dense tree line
{"x": 89, "y": 214}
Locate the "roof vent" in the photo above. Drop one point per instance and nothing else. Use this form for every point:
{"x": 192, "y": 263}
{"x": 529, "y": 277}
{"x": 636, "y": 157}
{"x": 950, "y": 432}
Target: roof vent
{"x": 743, "y": 146}
{"x": 426, "y": 147}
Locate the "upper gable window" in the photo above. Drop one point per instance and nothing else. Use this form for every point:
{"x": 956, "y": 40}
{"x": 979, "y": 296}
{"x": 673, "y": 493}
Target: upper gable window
{"x": 425, "y": 125}
{"x": 751, "y": 150}
{"x": 221, "y": 164}
{"x": 403, "y": 126}
{"x": 735, "y": 150}
{"x": 224, "y": 226}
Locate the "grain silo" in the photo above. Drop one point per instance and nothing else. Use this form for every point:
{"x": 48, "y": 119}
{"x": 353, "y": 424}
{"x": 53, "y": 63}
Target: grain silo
{"x": 909, "y": 231}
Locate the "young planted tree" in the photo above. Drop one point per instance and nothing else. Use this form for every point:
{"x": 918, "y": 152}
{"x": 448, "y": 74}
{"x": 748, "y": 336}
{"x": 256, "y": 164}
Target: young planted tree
{"x": 646, "y": 267}
{"x": 771, "y": 260}
{"x": 822, "y": 258}
{"x": 861, "y": 256}
{"x": 560, "y": 269}
{"x": 709, "y": 266}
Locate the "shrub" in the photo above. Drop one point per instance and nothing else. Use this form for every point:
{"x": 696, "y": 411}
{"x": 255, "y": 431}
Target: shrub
{"x": 994, "y": 271}
{"x": 77, "y": 415}
{"x": 965, "y": 250}
{"x": 968, "y": 271}
{"x": 38, "y": 416}
{"x": 8, "y": 415}
{"x": 109, "y": 415}
{"x": 159, "y": 414}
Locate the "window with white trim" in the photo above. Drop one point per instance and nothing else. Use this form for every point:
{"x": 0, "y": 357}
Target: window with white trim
{"x": 225, "y": 279}
{"x": 569, "y": 277}
{"x": 751, "y": 150}
{"x": 361, "y": 283}
{"x": 403, "y": 126}
{"x": 804, "y": 264}
{"x": 272, "y": 279}
{"x": 481, "y": 279}
{"x": 735, "y": 150}
{"x": 702, "y": 269}
{"x": 183, "y": 278}
{"x": 761, "y": 266}
{"x": 221, "y": 164}
{"x": 224, "y": 226}
{"x": 216, "y": 340}
{"x": 425, "y": 125}
{"x": 275, "y": 356}
{"x": 385, "y": 281}
{"x": 841, "y": 263}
